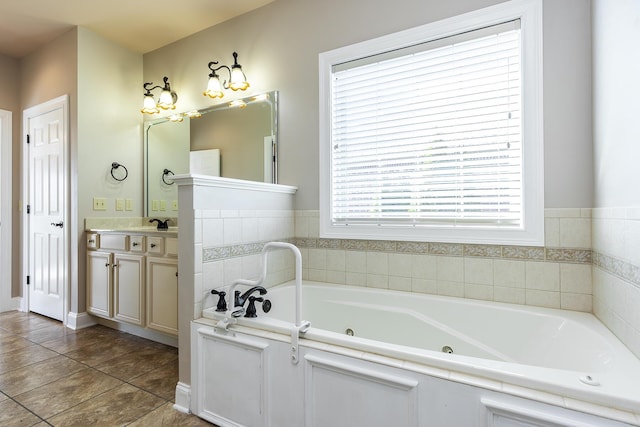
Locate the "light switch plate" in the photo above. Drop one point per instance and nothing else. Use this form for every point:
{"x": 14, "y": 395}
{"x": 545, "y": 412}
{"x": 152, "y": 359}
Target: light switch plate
{"x": 174, "y": 205}
{"x": 119, "y": 204}
{"x": 128, "y": 205}
{"x": 99, "y": 204}
{"x": 163, "y": 205}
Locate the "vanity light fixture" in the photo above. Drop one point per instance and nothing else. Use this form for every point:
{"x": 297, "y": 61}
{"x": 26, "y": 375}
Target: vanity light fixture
{"x": 166, "y": 101}
{"x": 237, "y": 79}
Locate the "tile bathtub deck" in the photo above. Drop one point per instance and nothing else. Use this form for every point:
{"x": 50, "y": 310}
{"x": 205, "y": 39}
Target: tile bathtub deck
{"x": 52, "y": 375}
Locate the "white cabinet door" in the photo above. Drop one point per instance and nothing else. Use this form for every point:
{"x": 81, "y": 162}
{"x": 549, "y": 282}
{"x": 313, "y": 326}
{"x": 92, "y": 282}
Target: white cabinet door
{"x": 162, "y": 294}
{"x": 99, "y": 292}
{"x": 128, "y": 281}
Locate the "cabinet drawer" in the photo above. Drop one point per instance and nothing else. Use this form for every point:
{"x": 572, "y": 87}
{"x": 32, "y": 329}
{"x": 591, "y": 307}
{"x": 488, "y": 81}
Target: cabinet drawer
{"x": 116, "y": 242}
{"x": 172, "y": 246}
{"x": 93, "y": 240}
{"x": 136, "y": 243}
{"x": 155, "y": 245}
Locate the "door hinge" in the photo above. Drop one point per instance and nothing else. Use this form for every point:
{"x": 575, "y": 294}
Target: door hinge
{"x": 28, "y": 209}
{"x": 28, "y": 139}
{"x": 28, "y": 280}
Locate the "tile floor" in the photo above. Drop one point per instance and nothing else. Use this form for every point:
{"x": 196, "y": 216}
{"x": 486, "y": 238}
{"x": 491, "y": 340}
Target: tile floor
{"x": 52, "y": 375}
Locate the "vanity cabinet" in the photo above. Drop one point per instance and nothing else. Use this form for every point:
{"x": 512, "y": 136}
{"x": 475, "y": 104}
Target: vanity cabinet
{"x": 133, "y": 279}
{"x": 162, "y": 294}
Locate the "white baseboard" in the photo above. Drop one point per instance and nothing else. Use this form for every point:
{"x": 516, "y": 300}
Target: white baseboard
{"x": 11, "y": 304}
{"x": 139, "y": 331}
{"x": 79, "y": 320}
{"x": 183, "y": 398}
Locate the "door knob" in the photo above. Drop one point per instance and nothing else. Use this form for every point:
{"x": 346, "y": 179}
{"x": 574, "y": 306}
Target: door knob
{"x": 57, "y": 224}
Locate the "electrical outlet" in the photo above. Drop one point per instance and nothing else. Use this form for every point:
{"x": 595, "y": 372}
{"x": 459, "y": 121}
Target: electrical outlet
{"x": 174, "y": 205}
{"x": 128, "y": 204}
{"x": 163, "y": 205}
{"x": 154, "y": 205}
{"x": 119, "y": 204}
{"x": 99, "y": 204}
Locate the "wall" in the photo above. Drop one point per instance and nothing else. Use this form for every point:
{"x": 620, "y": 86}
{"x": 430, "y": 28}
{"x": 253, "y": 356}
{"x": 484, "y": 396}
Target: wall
{"x": 278, "y": 47}
{"x": 10, "y": 101}
{"x": 109, "y": 78}
{"x": 616, "y": 217}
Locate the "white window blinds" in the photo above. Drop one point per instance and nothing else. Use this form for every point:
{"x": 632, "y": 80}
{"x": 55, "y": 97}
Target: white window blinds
{"x": 430, "y": 134}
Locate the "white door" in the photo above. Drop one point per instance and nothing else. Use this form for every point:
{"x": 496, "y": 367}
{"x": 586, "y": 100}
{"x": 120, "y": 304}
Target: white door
{"x": 46, "y": 212}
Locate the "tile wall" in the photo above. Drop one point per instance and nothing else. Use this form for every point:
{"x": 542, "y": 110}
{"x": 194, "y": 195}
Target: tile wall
{"x": 616, "y": 272}
{"x": 232, "y": 242}
{"x": 556, "y": 276}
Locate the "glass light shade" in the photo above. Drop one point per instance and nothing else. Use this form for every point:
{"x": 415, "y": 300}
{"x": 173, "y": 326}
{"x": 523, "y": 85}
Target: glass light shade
{"x": 149, "y": 105}
{"x": 238, "y": 103}
{"x": 214, "y": 88}
{"x": 166, "y": 101}
{"x": 176, "y": 118}
{"x": 238, "y": 79}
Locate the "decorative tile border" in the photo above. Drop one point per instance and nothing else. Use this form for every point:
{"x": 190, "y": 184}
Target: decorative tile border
{"x": 618, "y": 267}
{"x": 524, "y": 253}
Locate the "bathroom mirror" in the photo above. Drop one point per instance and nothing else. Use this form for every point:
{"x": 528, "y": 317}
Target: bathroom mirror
{"x": 236, "y": 139}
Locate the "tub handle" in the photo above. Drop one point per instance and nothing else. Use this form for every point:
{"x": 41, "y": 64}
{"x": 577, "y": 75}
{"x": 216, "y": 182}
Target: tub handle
{"x": 295, "y": 339}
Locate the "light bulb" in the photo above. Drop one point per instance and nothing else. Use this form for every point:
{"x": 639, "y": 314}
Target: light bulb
{"x": 149, "y": 105}
{"x": 214, "y": 88}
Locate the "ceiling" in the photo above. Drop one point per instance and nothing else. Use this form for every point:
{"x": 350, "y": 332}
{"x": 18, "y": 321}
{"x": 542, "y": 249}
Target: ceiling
{"x": 140, "y": 25}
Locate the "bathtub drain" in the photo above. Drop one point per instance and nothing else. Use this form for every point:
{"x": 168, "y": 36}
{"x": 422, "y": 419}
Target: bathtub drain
{"x": 349, "y": 332}
{"x": 447, "y": 349}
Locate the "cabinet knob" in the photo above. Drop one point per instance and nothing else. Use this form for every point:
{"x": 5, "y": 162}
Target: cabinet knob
{"x": 135, "y": 244}
{"x": 153, "y": 245}
{"x": 91, "y": 241}
{"x": 106, "y": 265}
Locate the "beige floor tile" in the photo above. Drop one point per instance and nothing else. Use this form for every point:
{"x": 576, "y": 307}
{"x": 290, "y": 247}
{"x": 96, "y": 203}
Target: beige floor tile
{"x": 82, "y": 338}
{"x": 21, "y": 380}
{"x": 160, "y": 381}
{"x": 12, "y": 343}
{"x": 24, "y": 323}
{"x": 119, "y": 406}
{"x": 47, "y": 333}
{"x": 14, "y": 415}
{"x": 102, "y": 350}
{"x": 166, "y": 416}
{"x": 58, "y": 396}
{"x": 24, "y": 356}
{"x": 138, "y": 362}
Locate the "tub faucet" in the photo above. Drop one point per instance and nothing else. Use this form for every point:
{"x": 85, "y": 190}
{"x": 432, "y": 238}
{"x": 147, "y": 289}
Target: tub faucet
{"x": 241, "y": 299}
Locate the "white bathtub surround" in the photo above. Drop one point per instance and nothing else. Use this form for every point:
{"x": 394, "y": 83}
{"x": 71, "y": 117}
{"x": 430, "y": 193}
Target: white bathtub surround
{"x": 227, "y": 214}
{"x": 616, "y": 272}
{"x": 555, "y": 276}
{"x": 534, "y": 365}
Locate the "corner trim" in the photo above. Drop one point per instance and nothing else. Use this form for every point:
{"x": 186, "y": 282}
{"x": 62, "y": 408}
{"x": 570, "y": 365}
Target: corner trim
{"x": 183, "y": 398}
{"x": 79, "y": 320}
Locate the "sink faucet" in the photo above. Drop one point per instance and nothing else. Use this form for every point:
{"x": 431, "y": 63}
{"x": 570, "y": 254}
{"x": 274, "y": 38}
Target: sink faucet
{"x": 162, "y": 225}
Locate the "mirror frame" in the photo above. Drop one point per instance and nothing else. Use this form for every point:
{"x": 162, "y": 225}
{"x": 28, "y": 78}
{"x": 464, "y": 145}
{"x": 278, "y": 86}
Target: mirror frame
{"x": 147, "y": 125}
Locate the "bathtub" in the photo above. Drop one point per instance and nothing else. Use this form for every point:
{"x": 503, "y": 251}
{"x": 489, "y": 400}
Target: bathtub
{"x": 562, "y": 359}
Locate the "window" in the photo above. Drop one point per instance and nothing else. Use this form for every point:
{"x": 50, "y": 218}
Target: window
{"x": 433, "y": 135}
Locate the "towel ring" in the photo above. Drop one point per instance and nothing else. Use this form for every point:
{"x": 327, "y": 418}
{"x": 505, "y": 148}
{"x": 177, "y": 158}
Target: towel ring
{"x": 165, "y": 173}
{"x": 116, "y": 165}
